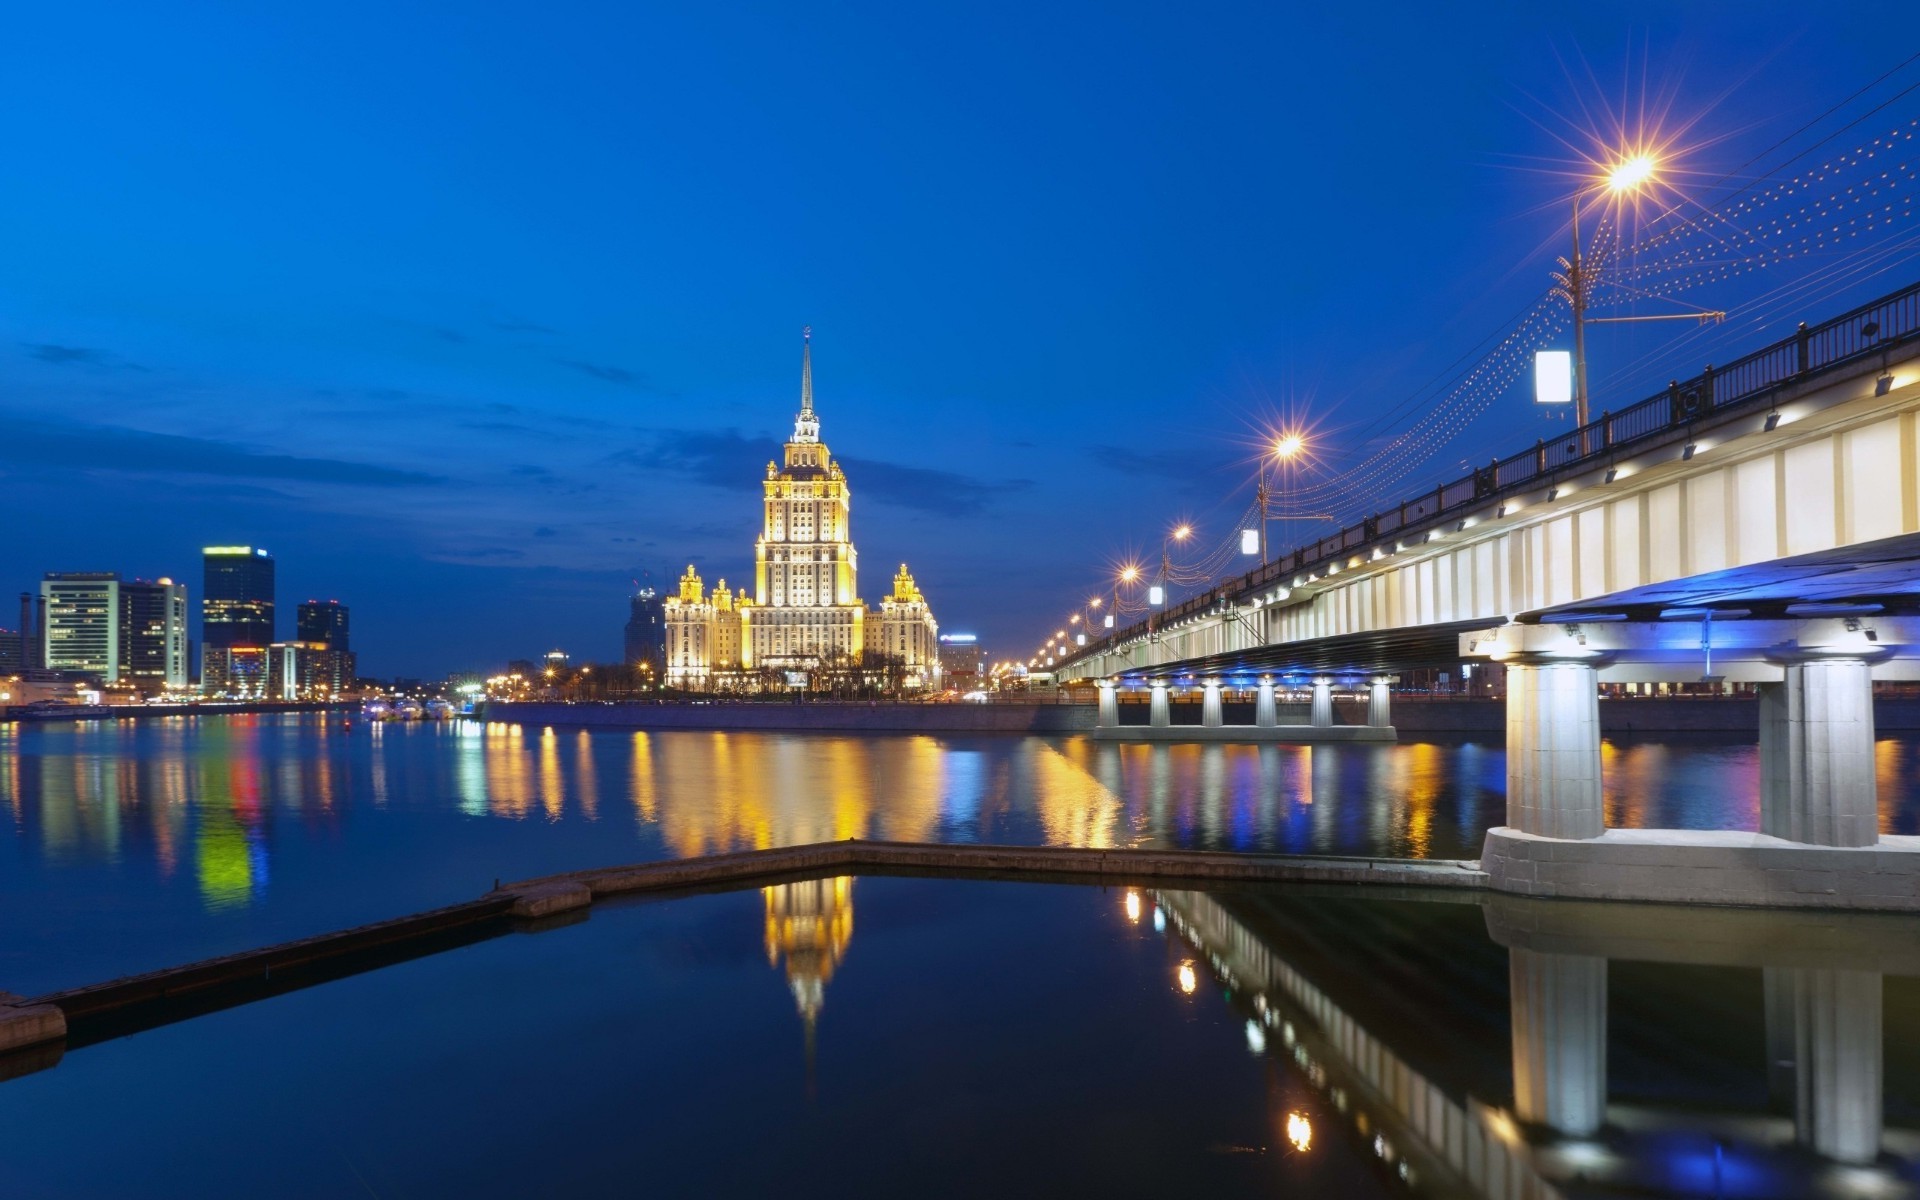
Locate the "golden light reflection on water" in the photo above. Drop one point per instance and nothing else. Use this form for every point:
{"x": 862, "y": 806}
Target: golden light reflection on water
{"x": 808, "y": 925}
{"x": 715, "y": 792}
{"x": 1890, "y": 774}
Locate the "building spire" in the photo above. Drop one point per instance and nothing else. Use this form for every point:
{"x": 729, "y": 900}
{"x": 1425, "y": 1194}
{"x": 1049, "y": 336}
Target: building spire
{"x": 806, "y": 426}
{"x": 806, "y": 371}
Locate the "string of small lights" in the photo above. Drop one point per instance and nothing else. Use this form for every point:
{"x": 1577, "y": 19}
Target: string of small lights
{"x": 1847, "y": 219}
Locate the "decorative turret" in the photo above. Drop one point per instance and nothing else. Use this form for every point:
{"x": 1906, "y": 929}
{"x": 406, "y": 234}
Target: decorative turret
{"x": 905, "y": 591}
{"x": 692, "y": 591}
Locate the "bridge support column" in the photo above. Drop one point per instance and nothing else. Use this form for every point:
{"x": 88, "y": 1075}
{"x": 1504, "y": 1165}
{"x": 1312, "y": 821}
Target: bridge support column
{"x": 1109, "y": 717}
{"x": 1379, "y": 705}
{"x": 1265, "y": 713}
{"x": 1323, "y": 703}
{"x": 1553, "y": 748}
{"x": 1828, "y": 1025}
{"x": 1559, "y": 1039}
{"x": 1210, "y": 703}
{"x": 1158, "y": 714}
{"x": 1816, "y": 755}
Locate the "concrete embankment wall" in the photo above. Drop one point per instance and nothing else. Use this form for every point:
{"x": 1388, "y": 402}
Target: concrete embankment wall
{"x": 135, "y": 712}
{"x": 813, "y": 717}
{"x": 1413, "y": 716}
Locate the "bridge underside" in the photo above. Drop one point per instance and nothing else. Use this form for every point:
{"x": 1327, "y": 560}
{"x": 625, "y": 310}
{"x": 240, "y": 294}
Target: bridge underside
{"x": 1373, "y": 653}
{"x": 1881, "y": 576}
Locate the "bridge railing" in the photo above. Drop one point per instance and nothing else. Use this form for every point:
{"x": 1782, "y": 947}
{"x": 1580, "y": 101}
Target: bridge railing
{"x": 1873, "y": 329}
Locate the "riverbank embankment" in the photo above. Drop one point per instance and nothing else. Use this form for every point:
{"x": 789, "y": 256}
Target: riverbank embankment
{"x": 136, "y": 712}
{"x": 1413, "y": 716}
{"x": 813, "y": 716}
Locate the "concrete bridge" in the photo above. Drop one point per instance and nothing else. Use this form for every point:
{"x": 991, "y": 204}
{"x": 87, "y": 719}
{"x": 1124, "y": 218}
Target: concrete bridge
{"x": 1759, "y": 523}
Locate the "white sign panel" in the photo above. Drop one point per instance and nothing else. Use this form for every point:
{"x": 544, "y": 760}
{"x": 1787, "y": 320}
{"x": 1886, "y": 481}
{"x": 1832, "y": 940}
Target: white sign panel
{"x": 1552, "y": 377}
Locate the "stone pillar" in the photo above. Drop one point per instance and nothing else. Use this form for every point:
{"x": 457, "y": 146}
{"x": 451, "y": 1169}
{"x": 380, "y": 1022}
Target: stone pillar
{"x": 1323, "y": 703}
{"x": 1265, "y": 714}
{"x": 1816, "y": 755}
{"x": 1379, "y": 706}
{"x": 1559, "y": 1040}
{"x": 1210, "y": 703}
{"x": 1159, "y": 715}
{"x": 1829, "y": 1021}
{"x": 1553, "y": 749}
{"x": 1109, "y": 717}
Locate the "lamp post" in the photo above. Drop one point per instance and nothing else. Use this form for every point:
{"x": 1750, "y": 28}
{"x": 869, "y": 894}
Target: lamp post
{"x": 1628, "y": 174}
{"x": 1126, "y": 574}
{"x": 1284, "y": 448}
{"x": 1179, "y": 533}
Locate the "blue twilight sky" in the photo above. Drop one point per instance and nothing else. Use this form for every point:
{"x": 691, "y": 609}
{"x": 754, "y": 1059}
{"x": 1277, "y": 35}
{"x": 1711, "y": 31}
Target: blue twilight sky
{"x": 473, "y": 312}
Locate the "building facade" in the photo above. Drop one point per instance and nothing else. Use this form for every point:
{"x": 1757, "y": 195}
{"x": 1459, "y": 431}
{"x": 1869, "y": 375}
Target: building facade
{"x": 153, "y": 632}
{"x": 646, "y": 631}
{"x": 806, "y": 610}
{"x": 324, "y": 665}
{"x": 236, "y": 621}
{"x": 126, "y": 633}
{"x": 82, "y": 623}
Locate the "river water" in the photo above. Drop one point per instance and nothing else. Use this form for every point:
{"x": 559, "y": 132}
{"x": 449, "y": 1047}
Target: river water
{"x": 959, "y": 1038}
{"x": 142, "y": 844}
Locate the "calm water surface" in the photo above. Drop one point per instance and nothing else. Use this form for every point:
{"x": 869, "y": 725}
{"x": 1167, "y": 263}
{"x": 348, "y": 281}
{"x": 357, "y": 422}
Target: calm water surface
{"x": 141, "y": 844}
{"x": 891, "y": 1037}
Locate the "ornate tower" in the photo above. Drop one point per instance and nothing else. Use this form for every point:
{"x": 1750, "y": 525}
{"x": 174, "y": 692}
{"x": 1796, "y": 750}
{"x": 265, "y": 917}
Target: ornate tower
{"x": 806, "y": 600}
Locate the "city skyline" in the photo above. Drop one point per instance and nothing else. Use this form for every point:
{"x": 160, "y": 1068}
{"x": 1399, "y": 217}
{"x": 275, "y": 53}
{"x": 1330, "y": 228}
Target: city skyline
{"x": 1064, "y": 281}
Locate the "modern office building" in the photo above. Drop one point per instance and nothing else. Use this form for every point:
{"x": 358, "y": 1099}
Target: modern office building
{"x": 962, "y": 659}
{"x": 324, "y": 662}
{"x": 646, "y": 640}
{"x": 236, "y": 614}
{"x": 805, "y": 610}
{"x": 153, "y": 635}
{"x": 82, "y": 631}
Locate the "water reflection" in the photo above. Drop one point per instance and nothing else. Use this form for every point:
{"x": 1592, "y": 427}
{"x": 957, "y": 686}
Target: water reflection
{"x": 114, "y": 819}
{"x": 1558, "y": 1127}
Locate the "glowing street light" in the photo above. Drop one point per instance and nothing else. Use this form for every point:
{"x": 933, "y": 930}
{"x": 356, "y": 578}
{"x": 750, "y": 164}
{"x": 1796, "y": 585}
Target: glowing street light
{"x": 1628, "y": 175}
{"x": 1299, "y": 1131}
{"x": 1287, "y": 447}
{"x": 1630, "y": 172}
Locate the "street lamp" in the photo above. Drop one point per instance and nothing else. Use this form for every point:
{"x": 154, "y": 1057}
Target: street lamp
{"x": 1126, "y": 574}
{"x": 1286, "y": 448}
{"x": 1629, "y": 173}
{"x": 1157, "y": 595}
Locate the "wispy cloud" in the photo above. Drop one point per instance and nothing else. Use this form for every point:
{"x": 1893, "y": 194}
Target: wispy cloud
{"x": 929, "y": 490}
{"x": 726, "y": 458}
{"x": 78, "y": 356}
{"x": 1181, "y": 464}
{"x": 606, "y": 374}
{"x": 42, "y": 445}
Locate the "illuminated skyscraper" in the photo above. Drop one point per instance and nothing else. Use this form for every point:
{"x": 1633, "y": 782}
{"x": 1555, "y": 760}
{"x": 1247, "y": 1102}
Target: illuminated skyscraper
{"x": 82, "y": 630}
{"x": 153, "y": 631}
{"x": 806, "y": 608}
{"x": 324, "y": 665}
{"x": 236, "y": 620}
